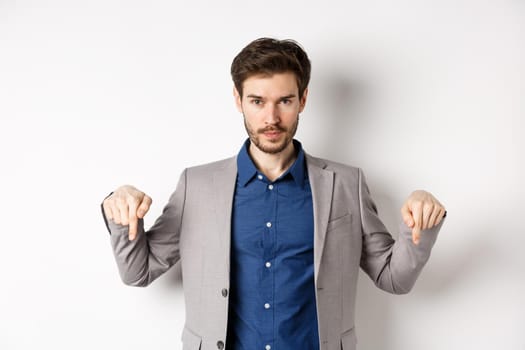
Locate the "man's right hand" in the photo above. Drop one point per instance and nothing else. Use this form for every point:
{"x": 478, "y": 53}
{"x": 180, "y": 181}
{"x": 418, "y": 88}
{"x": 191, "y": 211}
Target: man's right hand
{"x": 126, "y": 206}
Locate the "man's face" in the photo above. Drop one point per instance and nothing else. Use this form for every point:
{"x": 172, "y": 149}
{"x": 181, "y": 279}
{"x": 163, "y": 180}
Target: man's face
{"x": 271, "y": 107}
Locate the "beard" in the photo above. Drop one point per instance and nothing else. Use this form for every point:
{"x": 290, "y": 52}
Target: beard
{"x": 271, "y": 146}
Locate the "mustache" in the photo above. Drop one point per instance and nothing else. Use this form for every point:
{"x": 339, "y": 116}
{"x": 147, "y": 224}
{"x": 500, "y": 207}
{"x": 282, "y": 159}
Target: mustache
{"x": 271, "y": 128}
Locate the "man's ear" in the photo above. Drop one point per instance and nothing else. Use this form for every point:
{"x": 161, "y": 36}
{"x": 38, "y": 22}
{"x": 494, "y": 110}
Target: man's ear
{"x": 237, "y": 98}
{"x": 303, "y": 100}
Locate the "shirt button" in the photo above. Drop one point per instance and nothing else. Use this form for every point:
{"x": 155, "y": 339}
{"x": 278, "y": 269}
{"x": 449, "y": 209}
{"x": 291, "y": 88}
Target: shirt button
{"x": 267, "y": 347}
{"x": 268, "y": 224}
{"x": 224, "y": 292}
{"x": 268, "y": 264}
{"x": 266, "y": 306}
{"x": 220, "y": 345}
{"x": 270, "y": 187}
{"x": 260, "y": 177}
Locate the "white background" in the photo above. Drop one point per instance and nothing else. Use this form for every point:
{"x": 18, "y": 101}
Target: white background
{"x": 95, "y": 94}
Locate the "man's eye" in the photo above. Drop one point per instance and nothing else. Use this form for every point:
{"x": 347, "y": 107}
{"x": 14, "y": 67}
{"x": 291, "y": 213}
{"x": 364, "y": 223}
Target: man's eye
{"x": 256, "y": 102}
{"x": 286, "y": 102}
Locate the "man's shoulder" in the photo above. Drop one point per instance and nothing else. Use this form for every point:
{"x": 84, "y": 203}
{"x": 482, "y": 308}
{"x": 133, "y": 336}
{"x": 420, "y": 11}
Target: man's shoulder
{"x": 217, "y": 165}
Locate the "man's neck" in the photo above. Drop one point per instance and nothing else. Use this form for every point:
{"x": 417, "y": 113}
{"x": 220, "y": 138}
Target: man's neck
{"x": 272, "y": 165}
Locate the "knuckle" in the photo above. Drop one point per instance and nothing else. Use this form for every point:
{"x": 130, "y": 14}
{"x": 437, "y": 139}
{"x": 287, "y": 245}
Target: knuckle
{"x": 428, "y": 208}
{"x": 133, "y": 200}
{"x": 108, "y": 202}
{"x": 417, "y": 202}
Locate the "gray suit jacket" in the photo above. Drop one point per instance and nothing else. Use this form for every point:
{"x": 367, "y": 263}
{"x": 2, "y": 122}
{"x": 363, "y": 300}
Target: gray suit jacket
{"x": 194, "y": 228}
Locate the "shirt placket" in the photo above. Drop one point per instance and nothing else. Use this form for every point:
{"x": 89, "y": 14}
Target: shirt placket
{"x": 268, "y": 286}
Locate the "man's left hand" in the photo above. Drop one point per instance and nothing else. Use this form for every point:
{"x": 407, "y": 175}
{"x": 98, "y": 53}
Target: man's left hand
{"x": 421, "y": 211}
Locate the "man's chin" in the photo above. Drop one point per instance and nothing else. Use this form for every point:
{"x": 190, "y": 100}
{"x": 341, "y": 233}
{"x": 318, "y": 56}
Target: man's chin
{"x": 272, "y": 147}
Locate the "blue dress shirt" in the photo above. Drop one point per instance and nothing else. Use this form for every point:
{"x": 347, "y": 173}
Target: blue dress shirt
{"x": 272, "y": 300}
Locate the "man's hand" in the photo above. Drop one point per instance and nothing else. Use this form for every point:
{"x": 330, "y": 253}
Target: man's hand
{"x": 421, "y": 211}
{"x": 126, "y": 206}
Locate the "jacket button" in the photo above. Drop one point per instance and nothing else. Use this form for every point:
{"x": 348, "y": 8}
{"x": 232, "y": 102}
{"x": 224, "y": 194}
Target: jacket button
{"x": 224, "y": 292}
{"x": 220, "y": 345}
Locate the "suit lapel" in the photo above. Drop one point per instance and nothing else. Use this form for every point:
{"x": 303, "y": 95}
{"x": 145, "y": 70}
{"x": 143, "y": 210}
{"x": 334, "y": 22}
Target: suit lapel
{"x": 322, "y": 184}
{"x": 223, "y": 191}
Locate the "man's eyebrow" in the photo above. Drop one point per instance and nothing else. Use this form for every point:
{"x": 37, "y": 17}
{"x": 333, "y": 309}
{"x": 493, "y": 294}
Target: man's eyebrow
{"x": 280, "y": 98}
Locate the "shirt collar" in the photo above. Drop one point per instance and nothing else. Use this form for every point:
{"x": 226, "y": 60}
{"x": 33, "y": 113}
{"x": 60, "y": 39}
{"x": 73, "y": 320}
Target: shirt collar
{"x": 246, "y": 169}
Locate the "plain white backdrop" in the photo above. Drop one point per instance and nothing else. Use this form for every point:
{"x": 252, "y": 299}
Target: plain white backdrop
{"x": 420, "y": 94}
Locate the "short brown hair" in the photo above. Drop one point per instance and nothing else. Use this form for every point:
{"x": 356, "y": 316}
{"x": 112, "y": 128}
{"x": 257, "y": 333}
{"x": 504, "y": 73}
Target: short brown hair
{"x": 269, "y": 56}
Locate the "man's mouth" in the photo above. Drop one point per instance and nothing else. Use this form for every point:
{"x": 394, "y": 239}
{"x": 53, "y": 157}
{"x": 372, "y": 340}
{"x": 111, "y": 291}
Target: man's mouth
{"x": 272, "y": 135}
{"x": 272, "y": 131}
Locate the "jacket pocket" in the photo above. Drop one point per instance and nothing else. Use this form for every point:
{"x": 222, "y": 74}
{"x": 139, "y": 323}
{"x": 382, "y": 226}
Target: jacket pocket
{"x": 190, "y": 340}
{"x": 349, "y": 340}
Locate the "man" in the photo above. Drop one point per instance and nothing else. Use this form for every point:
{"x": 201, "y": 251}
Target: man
{"x": 270, "y": 241}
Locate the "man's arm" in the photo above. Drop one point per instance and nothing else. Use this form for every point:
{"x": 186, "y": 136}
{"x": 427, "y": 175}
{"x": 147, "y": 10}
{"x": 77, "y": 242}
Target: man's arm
{"x": 142, "y": 256}
{"x": 394, "y": 265}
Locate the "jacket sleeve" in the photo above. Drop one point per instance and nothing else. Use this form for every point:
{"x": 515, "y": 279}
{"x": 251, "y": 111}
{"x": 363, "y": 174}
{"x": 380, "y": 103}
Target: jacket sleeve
{"x": 393, "y": 265}
{"x": 152, "y": 252}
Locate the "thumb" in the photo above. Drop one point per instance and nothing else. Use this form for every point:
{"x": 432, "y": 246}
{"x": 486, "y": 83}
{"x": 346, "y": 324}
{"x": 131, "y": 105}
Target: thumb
{"x": 407, "y": 216}
{"x": 144, "y": 206}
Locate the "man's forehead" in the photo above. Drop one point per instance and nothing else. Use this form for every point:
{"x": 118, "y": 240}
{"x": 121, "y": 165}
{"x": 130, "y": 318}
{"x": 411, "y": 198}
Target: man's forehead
{"x": 278, "y": 84}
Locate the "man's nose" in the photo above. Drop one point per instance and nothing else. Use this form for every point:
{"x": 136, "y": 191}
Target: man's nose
{"x": 272, "y": 115}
